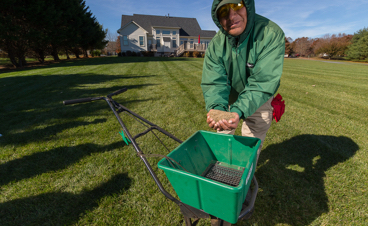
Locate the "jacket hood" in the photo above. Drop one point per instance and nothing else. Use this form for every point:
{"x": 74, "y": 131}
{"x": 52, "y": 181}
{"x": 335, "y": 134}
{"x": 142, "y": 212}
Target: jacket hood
{"x": 249, "y": 5}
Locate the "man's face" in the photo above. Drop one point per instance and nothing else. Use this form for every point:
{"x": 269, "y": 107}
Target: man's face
{"x": 235, "y": 22}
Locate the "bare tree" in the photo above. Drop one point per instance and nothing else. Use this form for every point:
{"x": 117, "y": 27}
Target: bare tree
{"x": 112, "y": 38}
{"x": 302, "y": 46}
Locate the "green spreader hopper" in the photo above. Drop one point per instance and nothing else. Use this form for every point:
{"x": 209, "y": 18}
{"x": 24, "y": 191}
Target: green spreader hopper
{"x": 212, "y": 172}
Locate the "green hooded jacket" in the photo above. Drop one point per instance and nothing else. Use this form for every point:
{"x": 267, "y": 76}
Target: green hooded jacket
{"x": 244, "y": 71}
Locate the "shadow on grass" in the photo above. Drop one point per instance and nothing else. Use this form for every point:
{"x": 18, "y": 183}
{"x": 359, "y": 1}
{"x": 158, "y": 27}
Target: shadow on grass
{"x": 93, "y": 61}
{"x": 59, "y": 208}
{"x": 292, "y": 176}
{"x": 32, "y": 109}
{"x": 49, "y": 161}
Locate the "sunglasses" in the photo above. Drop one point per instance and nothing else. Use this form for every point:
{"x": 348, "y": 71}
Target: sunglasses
{"x": 224, "y": 10}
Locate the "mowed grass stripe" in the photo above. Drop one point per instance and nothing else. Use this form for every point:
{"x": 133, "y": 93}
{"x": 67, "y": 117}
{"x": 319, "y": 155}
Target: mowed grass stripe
{"x": 312, "y": 170}
{"x": 189, "y": 84}
{"x": 320, "y": 68}
{"x": 342, "y": 102}
{"x": 329, "y": 78}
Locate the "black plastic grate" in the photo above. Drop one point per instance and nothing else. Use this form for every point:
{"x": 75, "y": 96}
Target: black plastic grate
{"x": 224, "y": 174}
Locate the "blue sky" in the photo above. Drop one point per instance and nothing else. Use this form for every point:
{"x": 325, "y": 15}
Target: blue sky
{"x": 313, "y": 18}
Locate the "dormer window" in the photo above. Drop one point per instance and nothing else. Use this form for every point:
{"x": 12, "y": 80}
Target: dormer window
{"x": 165, "y": 32}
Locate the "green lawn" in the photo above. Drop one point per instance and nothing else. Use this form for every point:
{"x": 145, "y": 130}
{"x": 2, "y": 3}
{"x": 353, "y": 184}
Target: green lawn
{"x": 6, "y": 61}
{"x": 67, "y": 165}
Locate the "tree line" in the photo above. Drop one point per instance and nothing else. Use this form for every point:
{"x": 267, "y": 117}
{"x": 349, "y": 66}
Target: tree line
{"x": 351, "y": 47}
{"x": 39, "y": 28}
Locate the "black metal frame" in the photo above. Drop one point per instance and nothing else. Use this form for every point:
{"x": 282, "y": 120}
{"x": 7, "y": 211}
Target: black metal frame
{"x": 188, "y": 211}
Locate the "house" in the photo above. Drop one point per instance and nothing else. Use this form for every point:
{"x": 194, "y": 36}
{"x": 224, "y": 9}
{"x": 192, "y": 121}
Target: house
{"x": 163, "y": 35}
{"x": 111, "y": 48}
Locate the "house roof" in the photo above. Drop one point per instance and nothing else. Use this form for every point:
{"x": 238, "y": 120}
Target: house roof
{"x": 188, "y": 26}
{"x": 133, "y": 22}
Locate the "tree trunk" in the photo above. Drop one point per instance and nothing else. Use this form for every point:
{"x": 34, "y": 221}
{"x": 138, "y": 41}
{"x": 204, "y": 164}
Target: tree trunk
{"x": 85, "y": 53}
{"x": 76, "y": 52}
{"x": 21, "y": 60}
{"x": 54, "y": 54}
{"x": 67, "y": 54}
{"x": 12, "y": 55}
{"x": 41, "y": 56}
{"x": 12, "y": 59}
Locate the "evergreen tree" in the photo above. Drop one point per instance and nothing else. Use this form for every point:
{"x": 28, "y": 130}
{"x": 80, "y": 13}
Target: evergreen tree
{"x": 40, "y": 28}
{"x": 40, "y": 21}
{"x": 92, "y": 33}
{"x": 358, "y": 50}
{"x": 14, "y": 30}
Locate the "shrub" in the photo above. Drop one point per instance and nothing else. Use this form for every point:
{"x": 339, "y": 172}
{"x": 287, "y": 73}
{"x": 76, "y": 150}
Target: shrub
{"x": 96, "y": 53}
{"x": 121, "y": 54}
{"x": 148, "y": 53}
{"x": 128, "y": 53}
{"x": 134, "y": 54}
{"x": 196, "y": 54}
{"x": 187, "y": 54}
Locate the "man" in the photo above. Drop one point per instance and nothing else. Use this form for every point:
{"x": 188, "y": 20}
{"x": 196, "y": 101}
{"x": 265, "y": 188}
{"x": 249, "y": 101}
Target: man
{"x": 242, "y": 68}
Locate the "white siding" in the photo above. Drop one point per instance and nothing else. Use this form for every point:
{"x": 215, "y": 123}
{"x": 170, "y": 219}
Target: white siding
{"x": 166, "y": 46}
{"x": 133, "y": 32}
{"x": 190, "y": 39}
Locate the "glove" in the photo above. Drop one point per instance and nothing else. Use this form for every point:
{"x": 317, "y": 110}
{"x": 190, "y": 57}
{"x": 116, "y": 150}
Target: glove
{"x": 278, "y": 107}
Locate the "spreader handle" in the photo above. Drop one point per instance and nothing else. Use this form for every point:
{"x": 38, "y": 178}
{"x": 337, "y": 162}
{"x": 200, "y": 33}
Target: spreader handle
{"x": 118, "y": 92}
{"x": 77, "y": 101}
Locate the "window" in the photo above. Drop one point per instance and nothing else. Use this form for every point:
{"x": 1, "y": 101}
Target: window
{"x": 125, "y": 40}
{"x": 141, "y": 41}
{"x": 167, "y": 42}
{"x": 174, "y": 42}
{"x": 158, "y": 44}
{"x": 157, "y": 32}
{"x": 165, "y": 32}
{"x": 174, "y": 32}
{"x": 191, "y": 43}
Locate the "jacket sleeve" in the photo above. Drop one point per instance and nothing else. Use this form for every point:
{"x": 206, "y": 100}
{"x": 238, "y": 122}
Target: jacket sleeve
{"x": 264, "y": 78}
{"x": 215, "y": 84}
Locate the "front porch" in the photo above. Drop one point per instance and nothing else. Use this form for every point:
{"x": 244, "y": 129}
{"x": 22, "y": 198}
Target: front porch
{"x": 186, "y": 47}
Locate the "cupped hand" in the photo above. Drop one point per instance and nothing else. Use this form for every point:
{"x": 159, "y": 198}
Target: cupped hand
{"x": 211, "y": 123}
{"x": 228, "y": 125}
{"x": 223, "y": 124}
